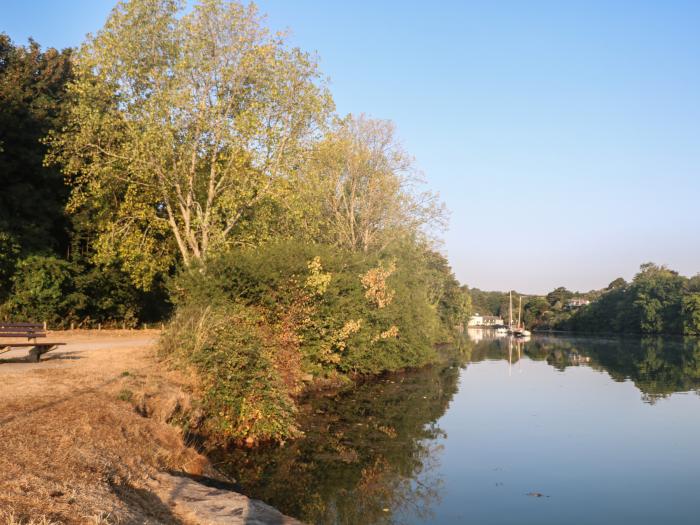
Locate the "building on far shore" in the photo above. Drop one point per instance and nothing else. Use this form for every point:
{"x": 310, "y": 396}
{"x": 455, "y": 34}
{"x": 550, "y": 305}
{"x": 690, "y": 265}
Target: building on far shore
{"x": 577, "y": 302}
{"x": 475, "y": 320}
{"x": 485, "y": 320}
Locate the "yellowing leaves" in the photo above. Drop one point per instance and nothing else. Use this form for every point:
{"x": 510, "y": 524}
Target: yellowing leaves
{"x": 317, "y": 281}
{"x": 376, "y": 289}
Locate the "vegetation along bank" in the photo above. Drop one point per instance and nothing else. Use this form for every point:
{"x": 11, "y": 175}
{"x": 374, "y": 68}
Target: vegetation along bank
{"x": 191, "y": 168}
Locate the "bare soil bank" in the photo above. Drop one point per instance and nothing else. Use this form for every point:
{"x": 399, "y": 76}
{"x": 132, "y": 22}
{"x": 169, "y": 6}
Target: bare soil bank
{"x": 74, "y": 450}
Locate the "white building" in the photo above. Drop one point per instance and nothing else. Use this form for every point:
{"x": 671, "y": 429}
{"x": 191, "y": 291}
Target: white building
{"x": 492, "y": 320}
{"x": 577, "y": 302}
{"x": 484, "y": 320}
{"x": 475, "y": 320}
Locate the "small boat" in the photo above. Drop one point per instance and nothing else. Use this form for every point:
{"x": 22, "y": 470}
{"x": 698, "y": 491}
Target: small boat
{"x": 501, "y": 330}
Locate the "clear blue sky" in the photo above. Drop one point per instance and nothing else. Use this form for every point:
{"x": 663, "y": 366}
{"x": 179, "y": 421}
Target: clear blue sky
{"x": 563, "y": 136}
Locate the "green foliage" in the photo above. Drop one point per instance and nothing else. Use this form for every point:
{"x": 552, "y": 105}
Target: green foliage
{"x": 617, "y": 283}
{"x": 452, "y": 301}
{"x": 558, "y": 298}
{"x": 690, "y": 308}
{"x": 273, "y": 315}
{"x": 34, "y": 228}
{"x": 183, "y": 123}
{"x": 361, "y": 191}
{"x": 535, "y": 311}
{"x": 32, "y": 197}
{"x": 47, "y": 288}
{"x": 9, "y": 252}
{"x": 275, "y": 276}
{"x": 244, "y": 396}
{"x": 657, "y": 301}
{"x": 489, "y": 303}
{"x": 43, "y": 289}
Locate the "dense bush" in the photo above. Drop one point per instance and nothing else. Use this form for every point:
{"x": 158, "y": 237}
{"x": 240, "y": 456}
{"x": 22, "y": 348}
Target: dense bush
{"x": 257, "y": 323}
{"x": 243, "y": 394}
{"x": 45, "y": 288}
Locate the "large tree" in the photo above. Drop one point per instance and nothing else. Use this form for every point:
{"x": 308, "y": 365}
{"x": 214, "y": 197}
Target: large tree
{"x": 32, "y": 196}
{"x": 182, "y": 122}
{"x": 366, "y": 189}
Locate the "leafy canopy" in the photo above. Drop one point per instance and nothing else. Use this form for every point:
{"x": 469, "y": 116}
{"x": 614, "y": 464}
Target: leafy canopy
{"x": 181, "y": 126}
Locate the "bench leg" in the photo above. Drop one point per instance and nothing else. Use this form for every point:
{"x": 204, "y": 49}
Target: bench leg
{"x": 36, "y": 352}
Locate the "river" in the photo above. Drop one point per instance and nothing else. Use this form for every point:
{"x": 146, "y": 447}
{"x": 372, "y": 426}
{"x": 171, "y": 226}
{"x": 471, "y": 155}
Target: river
{"x": 575, "y": 430}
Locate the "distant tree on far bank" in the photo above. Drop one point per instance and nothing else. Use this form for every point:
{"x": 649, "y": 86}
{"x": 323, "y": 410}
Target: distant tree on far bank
{"x": 657, "y": 301}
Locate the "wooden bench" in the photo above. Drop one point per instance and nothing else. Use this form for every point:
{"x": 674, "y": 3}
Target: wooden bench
{"x": 30, "y": 331}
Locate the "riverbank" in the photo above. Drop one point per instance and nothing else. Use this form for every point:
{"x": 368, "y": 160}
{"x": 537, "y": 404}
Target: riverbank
{"x": 75, "y": 446}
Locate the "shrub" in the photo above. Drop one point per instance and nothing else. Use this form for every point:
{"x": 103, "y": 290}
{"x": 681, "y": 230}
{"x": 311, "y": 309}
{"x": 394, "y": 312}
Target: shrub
{"x": 243, "y": 394}
{"x": 43, "y": 289}
{"x": 256, "y": 322}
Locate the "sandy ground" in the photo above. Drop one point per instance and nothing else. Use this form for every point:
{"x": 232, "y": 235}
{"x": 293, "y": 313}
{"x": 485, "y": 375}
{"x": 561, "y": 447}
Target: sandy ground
{"x": 84, "y": 438}
{"x": 72, "y": 447}
{"x": 89, "y": 361}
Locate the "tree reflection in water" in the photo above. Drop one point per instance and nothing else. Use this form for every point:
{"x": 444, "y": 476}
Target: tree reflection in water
{"x": 370, "y": 454}
{"x": 658, "y": 366}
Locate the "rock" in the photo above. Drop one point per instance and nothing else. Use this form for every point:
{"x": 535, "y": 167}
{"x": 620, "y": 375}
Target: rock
{"x": 203, "y": 505}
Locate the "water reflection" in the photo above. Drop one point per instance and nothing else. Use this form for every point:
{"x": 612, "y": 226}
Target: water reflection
{"x": 658, "y": 366}
{"x": 372, "y": 455}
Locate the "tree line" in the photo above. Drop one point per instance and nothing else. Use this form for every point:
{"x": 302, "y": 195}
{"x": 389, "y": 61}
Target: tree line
{"x": 188, "y": 164}
{"x": 658, "y": 300}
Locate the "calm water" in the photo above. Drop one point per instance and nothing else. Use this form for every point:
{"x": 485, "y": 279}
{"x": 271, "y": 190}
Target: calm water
{"x": 607, "y": 430}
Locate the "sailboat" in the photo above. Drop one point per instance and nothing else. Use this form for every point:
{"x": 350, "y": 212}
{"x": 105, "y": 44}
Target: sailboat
{"x": 520, "y": 330}
{"x": 517, "y": 330}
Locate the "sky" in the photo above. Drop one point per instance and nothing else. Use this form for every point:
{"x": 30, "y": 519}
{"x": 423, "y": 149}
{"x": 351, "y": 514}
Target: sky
{"x": 563, "y": 136}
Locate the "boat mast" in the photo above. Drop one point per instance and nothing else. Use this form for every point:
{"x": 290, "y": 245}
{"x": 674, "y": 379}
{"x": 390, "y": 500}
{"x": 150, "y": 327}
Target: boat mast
{"x": 520, "y": 307}
{"x": 510, "y": 310}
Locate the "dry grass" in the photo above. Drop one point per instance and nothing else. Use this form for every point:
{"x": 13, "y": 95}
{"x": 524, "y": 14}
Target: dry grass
{"x": 71, "y": 451}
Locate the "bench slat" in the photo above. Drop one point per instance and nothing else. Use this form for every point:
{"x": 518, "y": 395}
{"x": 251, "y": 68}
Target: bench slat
{"x": 23, "y": 334}
{"x": 27, "y": 345}
{"x": 23, "y": 330}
